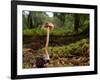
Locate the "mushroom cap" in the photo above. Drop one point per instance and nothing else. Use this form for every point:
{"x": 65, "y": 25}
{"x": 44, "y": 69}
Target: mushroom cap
{"x": 47, "y": 24}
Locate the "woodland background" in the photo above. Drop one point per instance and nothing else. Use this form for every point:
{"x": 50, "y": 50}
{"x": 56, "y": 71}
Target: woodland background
{"x": 69, "y": 40}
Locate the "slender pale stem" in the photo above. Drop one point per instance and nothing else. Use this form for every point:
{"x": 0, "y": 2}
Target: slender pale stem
{"x": 47, "y": 42}
{"x": 47, "y": 38}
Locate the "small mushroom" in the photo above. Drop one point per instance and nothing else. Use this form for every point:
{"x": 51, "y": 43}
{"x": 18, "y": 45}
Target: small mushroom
{"x": 47, "y": 26}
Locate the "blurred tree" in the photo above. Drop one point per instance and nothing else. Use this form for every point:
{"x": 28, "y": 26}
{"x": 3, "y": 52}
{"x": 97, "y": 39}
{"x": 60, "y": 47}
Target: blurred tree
{"x": 84, "y": 21}
{"x": 61, "y": 17}
{"x": 38, "y": 18}
{"x": 71, "y": 21}
{"x": 25, "y": 20}
{"x": 30, "y": 20}
{"x": 76, "y": 22}
{"x": 81, "y": 21}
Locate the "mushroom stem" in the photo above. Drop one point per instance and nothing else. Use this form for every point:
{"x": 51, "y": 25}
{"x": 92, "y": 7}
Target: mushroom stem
{"x": 47, "y": 38}
{"x": 47, "y": 42}
{"x": 47, "y": 26}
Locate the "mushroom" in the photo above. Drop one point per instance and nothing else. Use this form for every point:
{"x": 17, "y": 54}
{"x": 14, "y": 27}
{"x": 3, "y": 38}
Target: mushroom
{"x": 47, "y": 27}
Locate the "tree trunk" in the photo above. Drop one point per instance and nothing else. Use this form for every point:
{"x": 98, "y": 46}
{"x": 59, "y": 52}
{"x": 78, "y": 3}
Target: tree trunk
{"x": 30, "y": 20}
{"x": 76, "y": 22}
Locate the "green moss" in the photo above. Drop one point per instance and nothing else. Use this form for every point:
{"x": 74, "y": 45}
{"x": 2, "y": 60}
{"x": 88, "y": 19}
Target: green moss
{"x": 40, "y": 32}
{"x": 76, "y": 48}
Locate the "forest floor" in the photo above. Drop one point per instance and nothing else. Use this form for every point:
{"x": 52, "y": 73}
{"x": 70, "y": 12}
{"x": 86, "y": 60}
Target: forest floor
{"x": 30, "y": 54}
{"x": 32, "y": 45}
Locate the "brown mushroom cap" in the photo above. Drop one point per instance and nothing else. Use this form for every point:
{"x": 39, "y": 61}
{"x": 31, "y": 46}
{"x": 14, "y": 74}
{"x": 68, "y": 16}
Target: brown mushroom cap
{"x": 47, "y": 24}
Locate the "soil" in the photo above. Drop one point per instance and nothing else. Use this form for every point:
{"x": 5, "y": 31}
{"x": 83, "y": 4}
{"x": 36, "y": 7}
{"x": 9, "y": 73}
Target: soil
{"x": 29, "y": 56}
